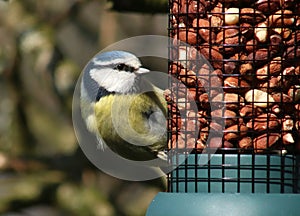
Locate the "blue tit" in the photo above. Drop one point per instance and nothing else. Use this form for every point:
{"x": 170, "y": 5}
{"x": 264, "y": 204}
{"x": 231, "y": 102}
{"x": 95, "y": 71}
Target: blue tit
{"x": 124, "y": 110}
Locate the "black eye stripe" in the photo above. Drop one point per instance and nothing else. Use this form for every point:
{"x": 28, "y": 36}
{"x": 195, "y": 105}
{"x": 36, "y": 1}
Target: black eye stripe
{"x": 124, "y": 67}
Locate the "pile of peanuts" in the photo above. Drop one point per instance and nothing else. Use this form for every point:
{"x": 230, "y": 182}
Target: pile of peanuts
{"x": 248, "y": 95}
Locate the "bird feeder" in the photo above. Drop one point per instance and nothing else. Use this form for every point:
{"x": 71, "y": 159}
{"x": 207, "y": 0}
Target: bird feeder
{"x": 237, "y": 152}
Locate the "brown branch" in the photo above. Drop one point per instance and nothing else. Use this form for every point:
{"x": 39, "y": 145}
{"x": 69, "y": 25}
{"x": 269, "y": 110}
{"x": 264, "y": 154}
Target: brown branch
{"x": 140, "y": 6}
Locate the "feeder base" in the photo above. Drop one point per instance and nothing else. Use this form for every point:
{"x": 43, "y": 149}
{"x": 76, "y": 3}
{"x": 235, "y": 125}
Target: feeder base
{"x": 212, "y": 204}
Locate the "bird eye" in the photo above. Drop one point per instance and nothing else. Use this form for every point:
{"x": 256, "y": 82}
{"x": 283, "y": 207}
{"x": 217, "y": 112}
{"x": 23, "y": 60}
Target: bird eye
{"x": 124, "y": 67}
{"x": 120, "y": 66}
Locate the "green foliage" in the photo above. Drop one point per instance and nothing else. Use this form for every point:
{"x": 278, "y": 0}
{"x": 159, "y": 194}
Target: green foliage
{"x": 44, "y": 46}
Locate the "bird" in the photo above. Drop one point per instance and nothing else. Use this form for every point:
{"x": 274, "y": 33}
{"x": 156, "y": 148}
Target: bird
{"x": 126, "y": 112}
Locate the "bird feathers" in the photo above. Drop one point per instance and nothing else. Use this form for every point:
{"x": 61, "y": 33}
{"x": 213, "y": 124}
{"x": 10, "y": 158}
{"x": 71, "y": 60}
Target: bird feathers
{"x": 138, "y": 132}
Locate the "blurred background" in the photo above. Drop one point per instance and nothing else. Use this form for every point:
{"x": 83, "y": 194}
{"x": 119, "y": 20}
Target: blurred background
{"x": 44, "y": 45}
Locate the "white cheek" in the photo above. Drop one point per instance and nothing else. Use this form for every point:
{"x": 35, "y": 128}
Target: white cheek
{"x": 121, "y": 82}
{"x": 100, "y": 75}
{"x": 113, "y": 81}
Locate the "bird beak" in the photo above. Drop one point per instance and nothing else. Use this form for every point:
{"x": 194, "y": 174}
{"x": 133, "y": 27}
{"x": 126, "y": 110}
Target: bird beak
{"x": 142, "y": 71}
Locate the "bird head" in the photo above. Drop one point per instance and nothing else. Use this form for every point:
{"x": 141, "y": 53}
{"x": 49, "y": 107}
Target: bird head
{"x": 112, "y": 72}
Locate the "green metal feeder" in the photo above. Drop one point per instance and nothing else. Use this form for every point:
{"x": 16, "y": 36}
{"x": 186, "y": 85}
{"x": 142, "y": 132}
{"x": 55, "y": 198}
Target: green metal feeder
{"x": 247, "y": 100}
{"x": 232, "y": 184}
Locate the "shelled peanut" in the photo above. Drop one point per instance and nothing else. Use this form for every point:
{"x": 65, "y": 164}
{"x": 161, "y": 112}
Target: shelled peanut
{"x": 251, "y": 92}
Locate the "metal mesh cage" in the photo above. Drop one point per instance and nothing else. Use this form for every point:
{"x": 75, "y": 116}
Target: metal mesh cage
{"x": 238, "y": 115}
